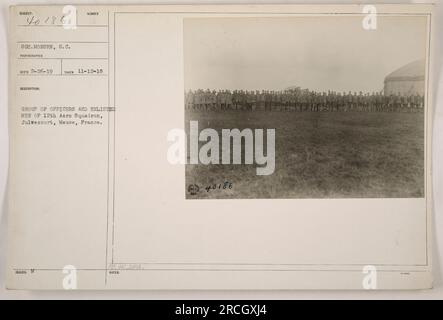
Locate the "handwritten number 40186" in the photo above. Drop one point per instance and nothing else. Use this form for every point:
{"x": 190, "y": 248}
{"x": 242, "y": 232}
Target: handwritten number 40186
{"x": 220, "y": 186}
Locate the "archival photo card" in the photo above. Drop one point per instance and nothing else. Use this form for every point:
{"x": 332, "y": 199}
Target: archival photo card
{"x": 229, "y": 147}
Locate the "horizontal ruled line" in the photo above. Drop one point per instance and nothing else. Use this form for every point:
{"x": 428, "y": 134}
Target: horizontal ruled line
{"x": 104, "y": 42}
{"x": 226, "y": 270}
{"x": 38, "y": 58}
{"x": 61, "y": 75}
{"x": 61, "y": 26}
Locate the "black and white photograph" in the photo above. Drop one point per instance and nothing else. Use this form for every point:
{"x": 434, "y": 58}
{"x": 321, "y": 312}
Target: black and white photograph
{"x": 305, "y": 106}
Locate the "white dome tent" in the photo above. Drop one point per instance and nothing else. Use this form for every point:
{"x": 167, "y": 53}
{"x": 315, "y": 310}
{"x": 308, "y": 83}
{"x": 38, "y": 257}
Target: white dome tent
{"x": 407, "y": 80}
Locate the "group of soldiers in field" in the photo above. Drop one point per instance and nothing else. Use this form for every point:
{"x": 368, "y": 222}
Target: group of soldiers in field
{"x": 301, "y": 100}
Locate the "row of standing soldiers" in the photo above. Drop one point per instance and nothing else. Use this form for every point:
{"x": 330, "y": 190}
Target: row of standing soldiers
{"x": 301, "y": 100}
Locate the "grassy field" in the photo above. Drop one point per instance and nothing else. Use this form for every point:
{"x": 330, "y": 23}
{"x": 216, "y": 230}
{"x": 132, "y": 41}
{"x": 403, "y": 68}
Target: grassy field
{"x": 321, "y": 155}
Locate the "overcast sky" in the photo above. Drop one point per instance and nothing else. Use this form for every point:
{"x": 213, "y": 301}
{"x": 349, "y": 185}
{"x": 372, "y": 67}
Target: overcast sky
{"x": 319, "y": 53}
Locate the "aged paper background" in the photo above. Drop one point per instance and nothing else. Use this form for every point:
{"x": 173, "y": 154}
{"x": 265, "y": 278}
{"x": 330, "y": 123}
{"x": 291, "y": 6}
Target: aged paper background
{"x": 153, "y": 191}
